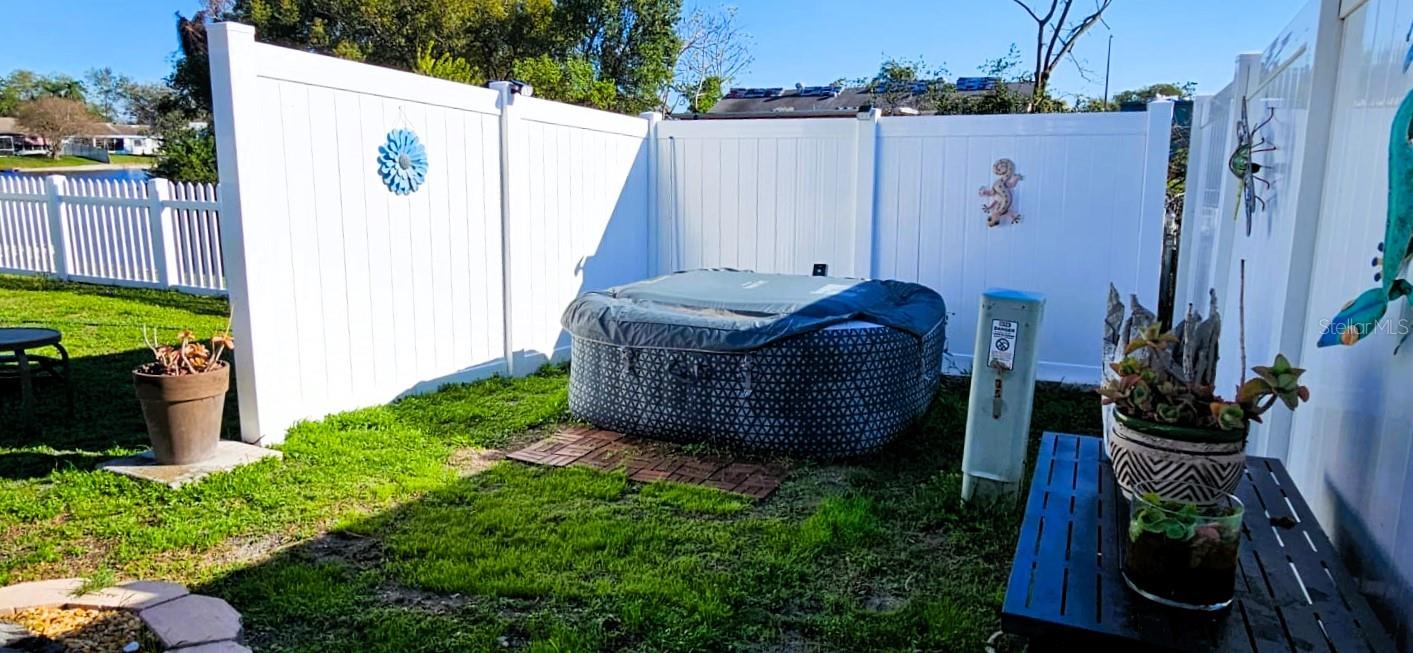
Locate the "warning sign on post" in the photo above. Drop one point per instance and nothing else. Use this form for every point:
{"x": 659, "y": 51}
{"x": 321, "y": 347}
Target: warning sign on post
{"x": 1003, "y": 345}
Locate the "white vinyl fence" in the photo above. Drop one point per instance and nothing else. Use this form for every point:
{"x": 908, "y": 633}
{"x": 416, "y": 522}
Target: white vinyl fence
{"x": 897, "y": 198}
{"x": 1329, "y": 84}
{"x": 349, "y": 295}
{"x": 152, "y": 233}
{"x": 529, "y": 203}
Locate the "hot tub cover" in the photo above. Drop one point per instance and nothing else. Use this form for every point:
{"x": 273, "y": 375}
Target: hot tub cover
{"x": 735, "y": 311}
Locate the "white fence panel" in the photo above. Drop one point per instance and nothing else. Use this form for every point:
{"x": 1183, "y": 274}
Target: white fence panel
{"x": 196, "y": 232}
{"x": 1207, "y": 223}
{"x": 347, "y": 294}
{"x": 1290, "y": 124}
{"x": 897, "y": 198}
{"x": 775, "y": 195}
{"x": 1091, "y": 203}
{"x": 151, "y": 233}
{"x": 26, "y": 244}
{"x": 578, "y": 216}
{"x": 1330, "y": 82}
{"x": 1351, "y": 448}
{"x": 109, "y": 228}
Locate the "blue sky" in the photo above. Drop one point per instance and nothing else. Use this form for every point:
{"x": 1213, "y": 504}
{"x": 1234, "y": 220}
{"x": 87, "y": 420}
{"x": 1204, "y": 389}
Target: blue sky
{"x": 809, "y": 41}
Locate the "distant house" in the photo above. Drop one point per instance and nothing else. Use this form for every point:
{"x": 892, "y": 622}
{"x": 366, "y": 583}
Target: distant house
{"x": 122, "y": 139}
{"x": 109, "y": 137}
{"x": 14, "y": 140}
{"x": 902, "y": 98}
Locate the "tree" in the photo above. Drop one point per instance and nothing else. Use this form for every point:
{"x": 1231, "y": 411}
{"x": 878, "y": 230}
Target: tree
{"x": 55, "y": 119}
{"x": 456, "y": 69}
{"x": 106, "y": 92}
{"x": 187, "y": 155}
{"x": 713, "y": 50}
{"x": 892, "y": 87}
{"x": 1055, "y": 38}
{"x": 1152, "y": 91}
{"x": 1000, "y": 98}
{"x": 571, "y": 81}
{"x": 631, "y": 44}
{"x": 143, "y": 103}
{"x": 23, "y": 86}
{"x": 190, "y": 80}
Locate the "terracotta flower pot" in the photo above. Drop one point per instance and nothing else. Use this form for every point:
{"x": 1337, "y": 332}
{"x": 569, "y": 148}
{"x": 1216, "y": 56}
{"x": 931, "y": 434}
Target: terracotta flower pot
{"x": 183, "y": 413}
{"x": 1174, "y": 457}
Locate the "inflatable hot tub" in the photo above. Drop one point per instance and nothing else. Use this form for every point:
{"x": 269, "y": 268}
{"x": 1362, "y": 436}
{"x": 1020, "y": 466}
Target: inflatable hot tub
{"x": 816, "y": 366}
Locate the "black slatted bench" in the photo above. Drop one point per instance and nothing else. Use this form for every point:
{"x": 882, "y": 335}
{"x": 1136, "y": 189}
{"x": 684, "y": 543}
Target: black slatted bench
{"x": 1066, "y": 585}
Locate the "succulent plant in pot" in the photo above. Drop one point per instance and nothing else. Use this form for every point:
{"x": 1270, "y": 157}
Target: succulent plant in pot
{"x": 183, "y": 395}
{"x": 1171, "y": 427}
{"x": 1184, "y": 554}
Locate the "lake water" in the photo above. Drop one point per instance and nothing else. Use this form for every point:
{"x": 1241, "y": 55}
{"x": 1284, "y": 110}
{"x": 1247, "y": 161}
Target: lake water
{"x": 128, "y": 174}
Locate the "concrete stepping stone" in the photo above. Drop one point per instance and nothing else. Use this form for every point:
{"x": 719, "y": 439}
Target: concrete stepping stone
{"x": 213, "y": 647}
{"x": 229, "y": 455}
{"x": 136, "y": 595}
{"x": 191, "y": 620}
{"x": 182, "y": 621}
{"x": 38, "y": 594}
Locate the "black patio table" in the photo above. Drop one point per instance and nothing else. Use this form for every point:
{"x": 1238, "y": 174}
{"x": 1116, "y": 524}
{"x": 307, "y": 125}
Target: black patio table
{"x": 17, "y": 363}
{"x": 1067, "y": 588}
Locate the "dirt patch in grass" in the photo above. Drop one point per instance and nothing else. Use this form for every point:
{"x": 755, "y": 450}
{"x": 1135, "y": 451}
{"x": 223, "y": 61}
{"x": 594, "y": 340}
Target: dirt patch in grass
{"x": 470, "y": 461}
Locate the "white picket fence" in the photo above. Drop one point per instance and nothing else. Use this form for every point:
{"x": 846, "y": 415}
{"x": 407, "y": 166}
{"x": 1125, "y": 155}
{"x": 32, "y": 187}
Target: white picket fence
{"x": 154, "y": 233}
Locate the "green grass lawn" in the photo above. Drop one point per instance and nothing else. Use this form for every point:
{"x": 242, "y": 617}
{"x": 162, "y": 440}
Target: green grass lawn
{"x": 131, "y": 159}
{"x": 374, "y": 534}
{"x": 8, "y": 162}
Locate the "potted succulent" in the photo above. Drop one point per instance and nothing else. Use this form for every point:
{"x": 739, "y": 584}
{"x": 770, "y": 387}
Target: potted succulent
{"x": 183, "y": 395}
{"x": 1183, "y": 553}
{"x": 1169, "y": 426}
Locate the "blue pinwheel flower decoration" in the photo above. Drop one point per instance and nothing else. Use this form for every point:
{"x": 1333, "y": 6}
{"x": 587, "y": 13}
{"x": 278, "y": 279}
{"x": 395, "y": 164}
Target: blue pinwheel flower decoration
{"x": 402, "y": 162}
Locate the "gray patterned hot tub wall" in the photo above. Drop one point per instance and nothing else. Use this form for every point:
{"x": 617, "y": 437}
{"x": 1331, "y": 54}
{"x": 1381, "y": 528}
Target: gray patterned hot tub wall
{"x": 841, "y": 391}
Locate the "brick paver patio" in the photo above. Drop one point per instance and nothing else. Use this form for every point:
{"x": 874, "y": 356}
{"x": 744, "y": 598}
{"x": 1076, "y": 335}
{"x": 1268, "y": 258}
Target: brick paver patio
{"x": 648, "y": 460}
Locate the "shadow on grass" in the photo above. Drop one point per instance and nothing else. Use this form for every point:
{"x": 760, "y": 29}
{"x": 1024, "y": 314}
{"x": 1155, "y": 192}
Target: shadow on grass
{"x": 104, "y": 421}
{"x": 873, "y": 554}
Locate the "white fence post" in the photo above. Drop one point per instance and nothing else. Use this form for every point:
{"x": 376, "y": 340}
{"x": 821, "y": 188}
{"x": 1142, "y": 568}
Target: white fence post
{"x": 507, "y": 118}
{"x": 654, "y": 230}
{"x": 164, "y": 248}
{"x": 54, "y": 187}
{"x": 1160, "y": 136}
{"x": 865, "y": 192}
{"x": 234, "y": 96}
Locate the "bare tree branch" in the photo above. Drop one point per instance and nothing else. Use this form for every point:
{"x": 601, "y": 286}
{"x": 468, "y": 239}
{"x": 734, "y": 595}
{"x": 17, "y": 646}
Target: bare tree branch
{"x": 715, "y": 49}
{"x": 1055, "y": 39}
{"x": 1028, "y": 10}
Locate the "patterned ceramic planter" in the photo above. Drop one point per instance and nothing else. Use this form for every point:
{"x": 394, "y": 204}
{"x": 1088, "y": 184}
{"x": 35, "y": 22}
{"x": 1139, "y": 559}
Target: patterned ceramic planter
{"x": 1175, "y": 457}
